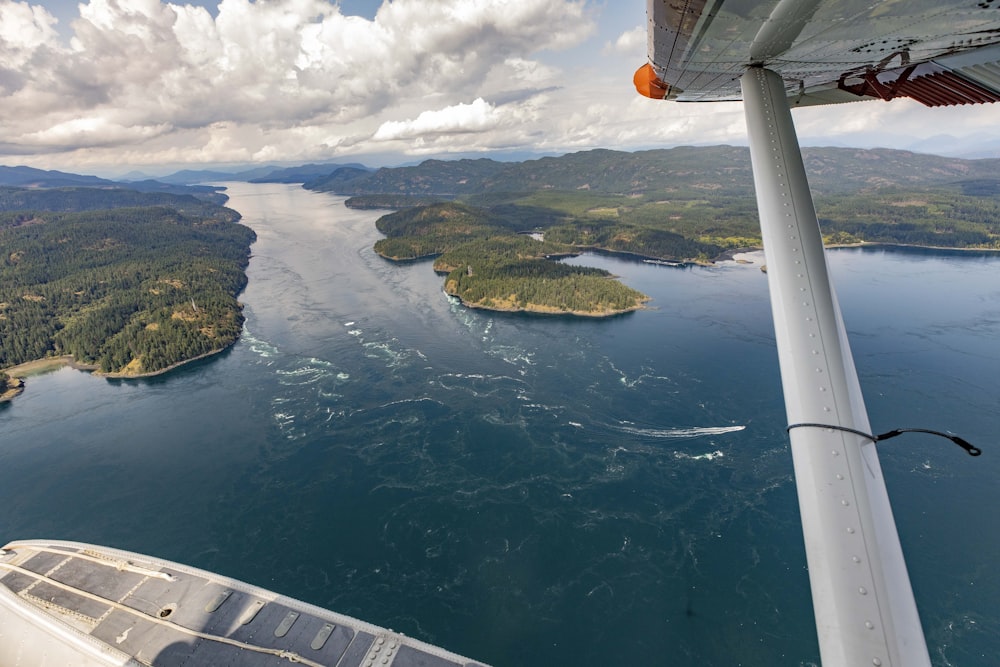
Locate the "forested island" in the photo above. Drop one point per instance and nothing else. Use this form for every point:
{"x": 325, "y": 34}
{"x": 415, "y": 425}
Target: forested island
{"x": 126, "y": 283}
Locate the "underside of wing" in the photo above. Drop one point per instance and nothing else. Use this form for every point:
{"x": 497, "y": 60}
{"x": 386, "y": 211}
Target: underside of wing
{"x": 774, "y": 54}
{"x": 938, "y": 52}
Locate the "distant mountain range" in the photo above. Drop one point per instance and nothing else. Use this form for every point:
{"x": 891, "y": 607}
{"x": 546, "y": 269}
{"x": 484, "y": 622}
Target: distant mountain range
{"x": 306, "y": 172}
{"x": 77, "y": 199}
{"x": 267, "y": 174}
{"x": 28, "y": 177}
{"x": 39, "y": 179}
{"x": 722, "y": 170}
{"x": 186, "y": 181}
{"x": 712, "y": 170}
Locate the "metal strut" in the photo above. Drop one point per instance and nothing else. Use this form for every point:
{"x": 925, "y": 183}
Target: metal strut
{"x": 864, "y": 606}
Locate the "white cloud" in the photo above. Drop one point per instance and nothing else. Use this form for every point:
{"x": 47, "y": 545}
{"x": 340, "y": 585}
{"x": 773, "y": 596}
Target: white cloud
{"x": 530, "y": 72}
{"x": 86, "y": 132}
{"x": 479, "y": 116}
{"x": 23, "y": 29}
{"x": 629, "y": 43}
{"x": 278, "y": 65}
{"x": 145, "y": 81}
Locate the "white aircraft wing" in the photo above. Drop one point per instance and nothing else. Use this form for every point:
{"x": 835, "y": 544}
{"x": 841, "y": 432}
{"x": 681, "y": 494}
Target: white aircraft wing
{"x": 938, "y": 52}
{"x": 775, "y": 54}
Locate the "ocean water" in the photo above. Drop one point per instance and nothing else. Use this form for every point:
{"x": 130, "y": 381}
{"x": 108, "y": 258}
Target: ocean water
{"x": 528, "y": 490}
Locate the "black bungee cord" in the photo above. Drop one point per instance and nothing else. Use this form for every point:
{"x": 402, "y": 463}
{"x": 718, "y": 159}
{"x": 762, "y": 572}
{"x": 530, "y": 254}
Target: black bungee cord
{"x": 964, "y": 444}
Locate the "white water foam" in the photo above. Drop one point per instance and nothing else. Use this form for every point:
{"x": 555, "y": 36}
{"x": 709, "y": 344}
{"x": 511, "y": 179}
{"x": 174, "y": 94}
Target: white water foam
{"x": 259, "y": 347}
{"x": 647, "y": 375}
{"x": 303, "y": 375}
{"x": 710, "y": 456}
{"x": 387, "y": 352}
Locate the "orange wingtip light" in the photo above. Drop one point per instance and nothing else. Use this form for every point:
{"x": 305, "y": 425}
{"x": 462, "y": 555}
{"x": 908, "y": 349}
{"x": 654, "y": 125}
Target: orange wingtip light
{"x": 648, "y": 84}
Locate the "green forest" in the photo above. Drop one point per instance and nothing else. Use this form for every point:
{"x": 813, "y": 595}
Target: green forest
{"x": 130, "y": 290}
{"x": 692, "y": 203}
{"x": 490, "y": 265}
{"x": 135, "y": 282}
{"x": 76, "y": 199}
{"x": 427, "y": 231}
{"x": 508, "y": 273}
{"x": 391, "y": 201}
{"x": 683, "y": 205}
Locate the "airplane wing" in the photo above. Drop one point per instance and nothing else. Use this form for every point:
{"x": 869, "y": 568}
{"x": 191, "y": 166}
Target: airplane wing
{"x": 938, "y": 52}
{"x": 773, "y": 55}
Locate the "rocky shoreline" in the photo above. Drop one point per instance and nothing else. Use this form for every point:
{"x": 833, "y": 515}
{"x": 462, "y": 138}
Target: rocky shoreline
{"x": 544, "y": 310}
{"x": 17, "y": 374}
{"x": 12, "y": 387}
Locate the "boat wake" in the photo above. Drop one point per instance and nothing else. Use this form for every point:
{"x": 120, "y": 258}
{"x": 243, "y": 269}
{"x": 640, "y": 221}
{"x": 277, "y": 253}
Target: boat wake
{"x": 679, "y": 433}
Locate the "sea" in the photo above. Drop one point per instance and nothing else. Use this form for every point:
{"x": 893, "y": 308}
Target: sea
{"x": 528, "y": 490}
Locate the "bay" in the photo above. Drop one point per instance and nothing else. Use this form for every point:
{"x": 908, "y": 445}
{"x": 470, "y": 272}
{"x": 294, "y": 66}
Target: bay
{"x": 527, "y": 490}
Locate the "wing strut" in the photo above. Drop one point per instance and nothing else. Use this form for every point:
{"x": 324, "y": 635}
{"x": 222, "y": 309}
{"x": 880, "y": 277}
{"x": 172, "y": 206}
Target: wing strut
{"x": 864, "y": 606}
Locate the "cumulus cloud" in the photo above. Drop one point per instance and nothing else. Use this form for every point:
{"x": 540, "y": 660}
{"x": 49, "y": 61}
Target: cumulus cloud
{"x": 629, "y": 43}
{"x": 23, "y": 29}
{"x": 159, "y": 67}
{"x": 478, "y": 116}
{"x": 144, "y": 82}
{"x": 87, "y": 132}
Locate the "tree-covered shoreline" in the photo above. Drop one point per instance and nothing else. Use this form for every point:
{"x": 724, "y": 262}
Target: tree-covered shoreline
{"x": 685, "y": 205}
{"x": 130, "y": 291}
{"x": 134, "y": 283}
{"x": 489, "y": 265}
{"x": 636, "y": 202}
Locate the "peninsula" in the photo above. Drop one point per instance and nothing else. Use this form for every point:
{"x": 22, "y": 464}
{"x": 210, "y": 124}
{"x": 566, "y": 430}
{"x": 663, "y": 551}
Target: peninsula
{"x": 127, "y": 284}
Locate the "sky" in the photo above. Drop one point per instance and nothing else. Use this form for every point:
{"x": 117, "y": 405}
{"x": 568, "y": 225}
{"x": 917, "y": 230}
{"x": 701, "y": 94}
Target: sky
{"x": 108, "y": 86}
